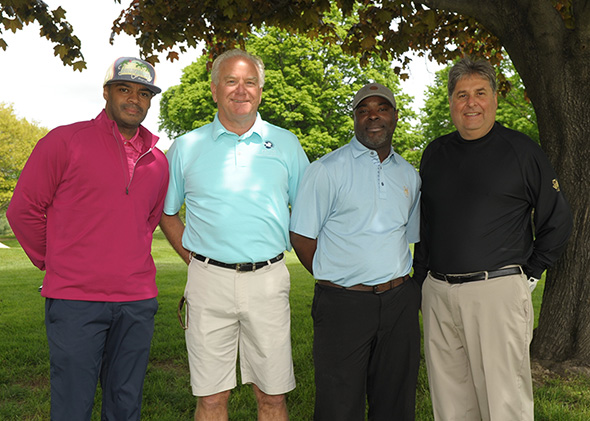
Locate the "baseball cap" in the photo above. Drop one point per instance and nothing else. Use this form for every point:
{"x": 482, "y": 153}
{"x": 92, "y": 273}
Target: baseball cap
{"x": 373, "y": 89}
{"x": 131, "y": 69}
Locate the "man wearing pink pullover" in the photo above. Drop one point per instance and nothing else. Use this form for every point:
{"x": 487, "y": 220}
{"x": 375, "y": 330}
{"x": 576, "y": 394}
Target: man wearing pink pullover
{"x": 84, "y": 210}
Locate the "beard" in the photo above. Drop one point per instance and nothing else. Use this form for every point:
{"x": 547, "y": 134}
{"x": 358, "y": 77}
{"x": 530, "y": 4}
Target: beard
{"x": 375, "y": 140}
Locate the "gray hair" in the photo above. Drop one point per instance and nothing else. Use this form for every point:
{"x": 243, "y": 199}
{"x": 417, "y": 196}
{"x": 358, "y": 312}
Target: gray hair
{"x": 467, "y": 67}
{"x": 256, "y": 61}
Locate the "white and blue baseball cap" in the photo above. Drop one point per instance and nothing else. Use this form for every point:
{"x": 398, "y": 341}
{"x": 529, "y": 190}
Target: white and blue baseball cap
{"x": 131, "y": 69}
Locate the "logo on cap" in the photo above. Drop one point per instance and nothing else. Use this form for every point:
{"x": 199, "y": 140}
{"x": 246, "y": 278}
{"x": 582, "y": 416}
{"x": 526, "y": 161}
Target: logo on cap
{"x": 135, "y": 69}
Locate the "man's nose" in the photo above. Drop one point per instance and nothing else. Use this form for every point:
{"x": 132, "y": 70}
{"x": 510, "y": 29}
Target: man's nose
{"x": 133, "y": 96}
{"x": 241, "y": 87}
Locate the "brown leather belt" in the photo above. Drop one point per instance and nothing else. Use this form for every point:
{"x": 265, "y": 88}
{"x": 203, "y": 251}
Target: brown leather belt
{"x": 375, "y": 289}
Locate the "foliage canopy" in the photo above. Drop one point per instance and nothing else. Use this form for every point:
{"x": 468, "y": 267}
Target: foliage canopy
{"x": 15, "y": 14}
{"x": 386, "y": 29}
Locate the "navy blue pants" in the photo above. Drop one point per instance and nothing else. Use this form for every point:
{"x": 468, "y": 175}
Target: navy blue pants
{"x": 366, "y": 349}
{"x": 92, "y": 340}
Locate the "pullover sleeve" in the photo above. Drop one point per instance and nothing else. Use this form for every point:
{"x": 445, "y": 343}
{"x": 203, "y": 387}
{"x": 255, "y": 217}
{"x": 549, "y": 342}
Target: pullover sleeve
{"x": 552, "y": 216}
{"x": 156, "y": 212}
{"x": 34, "y": 193}
{"x": 421, "y": 248}
{"x": 421, "y": 257}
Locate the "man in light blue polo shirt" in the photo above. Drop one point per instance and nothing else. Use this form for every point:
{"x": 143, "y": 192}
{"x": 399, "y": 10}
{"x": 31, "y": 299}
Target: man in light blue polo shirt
{"x": 237, "y": 177}
{"x": 355, "y": 215}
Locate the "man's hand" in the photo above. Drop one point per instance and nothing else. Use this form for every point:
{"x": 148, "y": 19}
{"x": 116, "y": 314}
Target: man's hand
{"x": 533, "y": 283}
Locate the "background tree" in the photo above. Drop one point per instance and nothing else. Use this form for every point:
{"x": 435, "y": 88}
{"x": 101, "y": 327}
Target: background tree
{"x": 18, "y": 137}
{"x": 189, "y": 105}
{"x": 435, "y": 118}
{"x": 514, "y": 109}
{"x": 309, "y": 88}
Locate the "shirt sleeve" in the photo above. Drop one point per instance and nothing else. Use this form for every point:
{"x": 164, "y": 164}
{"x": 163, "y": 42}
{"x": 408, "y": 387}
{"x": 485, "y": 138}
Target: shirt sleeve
{"x": 552, "y": 215}
{"x": 175, "y": 194}
{"x": 297, "y": 170}
{"x": 413, "y": 226}
{"x": 421, "y": 247}
{"x": 421, "y": 256}
{"x": 313, "y": 202}
{"x": 33, "y": 194}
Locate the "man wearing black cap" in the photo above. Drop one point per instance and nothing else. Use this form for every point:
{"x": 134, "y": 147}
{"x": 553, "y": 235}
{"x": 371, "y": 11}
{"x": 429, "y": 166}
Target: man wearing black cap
{"x": 356, "y": 212}
{"x": 84, "y": 210}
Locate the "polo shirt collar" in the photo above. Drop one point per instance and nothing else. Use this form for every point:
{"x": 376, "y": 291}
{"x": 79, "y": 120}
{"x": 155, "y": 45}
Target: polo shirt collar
{"x": 136, "y": 141}
{"x": 359, "y": 149}
{"x": 218, "y": 129}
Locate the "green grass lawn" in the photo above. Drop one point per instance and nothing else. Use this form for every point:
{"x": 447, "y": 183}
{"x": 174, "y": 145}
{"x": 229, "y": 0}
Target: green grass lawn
{"x": 24, "y": 359}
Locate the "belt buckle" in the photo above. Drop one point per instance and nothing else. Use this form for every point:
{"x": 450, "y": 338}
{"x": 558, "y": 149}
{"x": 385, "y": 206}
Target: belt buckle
{"x": 241, "y": 267}
{"x": 376, "y": 289}
{"x": 461, "y": 279}
{"x": 456, "y": 279}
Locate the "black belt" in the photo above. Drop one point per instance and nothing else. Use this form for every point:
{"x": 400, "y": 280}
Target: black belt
{"x": 375, "y": 289}
{"x": 240, "y": 267}
{"x": 479, "y": 276}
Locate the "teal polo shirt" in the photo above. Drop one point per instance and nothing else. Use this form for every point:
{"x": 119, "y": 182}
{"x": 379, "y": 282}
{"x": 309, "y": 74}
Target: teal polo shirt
{"x": 363, "y": 212}
{"x": 237, "y": 190}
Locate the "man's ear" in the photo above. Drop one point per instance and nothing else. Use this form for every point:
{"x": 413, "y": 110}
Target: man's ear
{"x": 214, "y": 92}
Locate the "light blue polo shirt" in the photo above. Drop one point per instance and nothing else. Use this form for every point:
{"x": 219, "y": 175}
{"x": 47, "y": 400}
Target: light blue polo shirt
{"x": 236, "y": 188}
{"x": 363, "y": 212}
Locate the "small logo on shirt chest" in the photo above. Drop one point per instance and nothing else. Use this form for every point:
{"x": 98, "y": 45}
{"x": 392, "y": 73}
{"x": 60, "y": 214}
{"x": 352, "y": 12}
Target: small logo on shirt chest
{"x": 268, "y": 144}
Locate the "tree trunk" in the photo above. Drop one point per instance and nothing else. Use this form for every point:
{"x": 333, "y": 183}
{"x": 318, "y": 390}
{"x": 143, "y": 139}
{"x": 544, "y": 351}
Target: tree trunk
{"x": 563, "y": 333}
{"x": 554, "y": 64}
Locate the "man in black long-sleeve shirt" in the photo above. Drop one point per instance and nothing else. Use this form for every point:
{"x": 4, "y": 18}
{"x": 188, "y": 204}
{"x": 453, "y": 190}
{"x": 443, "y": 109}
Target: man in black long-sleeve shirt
{"x": 478, "y": 257}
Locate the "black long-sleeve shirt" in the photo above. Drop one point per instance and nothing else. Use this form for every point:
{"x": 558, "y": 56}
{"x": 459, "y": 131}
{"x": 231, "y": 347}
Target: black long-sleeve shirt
{"x": 477, "y": 199}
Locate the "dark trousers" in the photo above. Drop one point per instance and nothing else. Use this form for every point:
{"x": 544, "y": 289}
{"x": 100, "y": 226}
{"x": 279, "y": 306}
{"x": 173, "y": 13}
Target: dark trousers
{"x": 88, "y": 340}
{"x": 366, "y": 349}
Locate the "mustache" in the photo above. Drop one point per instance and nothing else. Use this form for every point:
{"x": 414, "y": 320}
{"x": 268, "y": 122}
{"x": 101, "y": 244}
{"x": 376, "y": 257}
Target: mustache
{"x": 134, "y": 107}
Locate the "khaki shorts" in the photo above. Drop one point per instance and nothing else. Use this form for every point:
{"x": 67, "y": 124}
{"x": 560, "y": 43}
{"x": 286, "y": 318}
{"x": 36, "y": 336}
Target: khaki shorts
{"x": 229, "y": 310}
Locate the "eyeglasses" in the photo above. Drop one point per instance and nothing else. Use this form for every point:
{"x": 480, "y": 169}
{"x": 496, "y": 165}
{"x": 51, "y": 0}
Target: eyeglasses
{"x": 180, "y": 318}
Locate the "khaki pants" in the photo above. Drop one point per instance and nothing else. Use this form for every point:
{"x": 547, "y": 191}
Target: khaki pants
{"x": 476, "y": 341}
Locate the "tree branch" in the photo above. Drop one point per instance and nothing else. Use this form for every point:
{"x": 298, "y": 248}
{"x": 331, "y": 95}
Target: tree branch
{"x": 464, "y": 7}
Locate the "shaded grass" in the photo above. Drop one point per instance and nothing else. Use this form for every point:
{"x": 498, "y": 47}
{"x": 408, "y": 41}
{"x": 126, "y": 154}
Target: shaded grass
{"x": 562, "y": 399}
{"x": 24, "y": 356}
